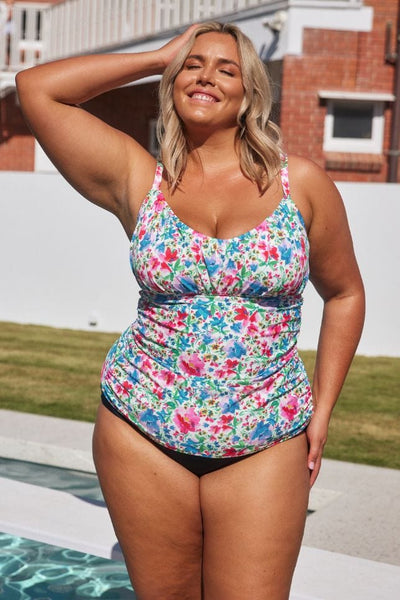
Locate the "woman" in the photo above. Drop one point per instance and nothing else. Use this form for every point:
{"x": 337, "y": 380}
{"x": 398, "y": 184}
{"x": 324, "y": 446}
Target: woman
{"x": 198, "y": 392}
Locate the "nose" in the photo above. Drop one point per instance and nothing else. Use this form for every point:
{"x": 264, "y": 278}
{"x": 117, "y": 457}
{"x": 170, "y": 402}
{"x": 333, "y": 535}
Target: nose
{"x": 206, "y": 76}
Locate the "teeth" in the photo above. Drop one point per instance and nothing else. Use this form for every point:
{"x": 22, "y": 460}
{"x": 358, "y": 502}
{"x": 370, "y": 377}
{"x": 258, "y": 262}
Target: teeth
{"x": 204, "y": 97}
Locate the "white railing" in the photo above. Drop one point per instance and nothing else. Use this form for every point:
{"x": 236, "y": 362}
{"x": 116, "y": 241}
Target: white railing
{"x": 39, "y": 32}
{"x": 78, "y": 26}
{"x": 21, "y": 35}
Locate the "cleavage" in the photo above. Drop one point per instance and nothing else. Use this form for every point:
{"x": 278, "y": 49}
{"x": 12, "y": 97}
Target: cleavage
{"x": 221, "y": 210}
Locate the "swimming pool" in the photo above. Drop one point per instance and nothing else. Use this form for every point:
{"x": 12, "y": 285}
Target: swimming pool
{"x": 33, "y": 570}
{"x": 78, "y": 483}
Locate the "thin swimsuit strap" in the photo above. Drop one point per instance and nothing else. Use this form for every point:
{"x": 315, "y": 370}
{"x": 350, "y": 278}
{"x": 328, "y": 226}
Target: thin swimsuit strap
{"x": 153, "y": 202}
{"x": 285, "y": 176}
{"x": 158, "y": 176}
{"x": 147, "y": 204}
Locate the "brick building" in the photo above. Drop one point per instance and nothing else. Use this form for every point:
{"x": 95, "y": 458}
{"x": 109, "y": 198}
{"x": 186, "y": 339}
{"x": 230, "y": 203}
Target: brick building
{"x": 338, "y": 97}
{"x": 17, "y": 146}
{"x": 333, "y": 63}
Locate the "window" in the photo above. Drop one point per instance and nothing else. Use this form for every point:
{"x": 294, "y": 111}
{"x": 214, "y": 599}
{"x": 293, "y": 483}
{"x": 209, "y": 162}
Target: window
{"x": 354, "y": 122}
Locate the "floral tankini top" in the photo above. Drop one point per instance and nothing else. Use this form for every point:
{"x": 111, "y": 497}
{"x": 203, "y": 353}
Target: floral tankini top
{"x": 210, "y": 366}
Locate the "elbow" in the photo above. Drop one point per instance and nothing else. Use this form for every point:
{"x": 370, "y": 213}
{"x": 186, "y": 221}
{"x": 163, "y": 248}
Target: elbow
{"x": 348, "y": 307}
{"x": 27, "y": 79}
{"x": 23, "y": 83}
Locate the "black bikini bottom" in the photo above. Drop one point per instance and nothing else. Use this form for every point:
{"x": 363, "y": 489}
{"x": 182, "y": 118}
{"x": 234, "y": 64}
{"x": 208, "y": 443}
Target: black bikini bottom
{"x": 199, "y": 465}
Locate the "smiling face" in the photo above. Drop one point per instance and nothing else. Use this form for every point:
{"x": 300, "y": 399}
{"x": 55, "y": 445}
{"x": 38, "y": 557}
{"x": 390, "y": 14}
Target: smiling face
{"x": 208, "y": 91}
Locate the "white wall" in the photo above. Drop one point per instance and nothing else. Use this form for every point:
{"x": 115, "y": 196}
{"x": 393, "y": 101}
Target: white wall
{"x": 65, "y": 262}
{"x": 373, "y": 211}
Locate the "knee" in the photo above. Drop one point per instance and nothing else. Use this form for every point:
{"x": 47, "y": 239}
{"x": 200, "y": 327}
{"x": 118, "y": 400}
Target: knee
{"x": 174, "y": 586}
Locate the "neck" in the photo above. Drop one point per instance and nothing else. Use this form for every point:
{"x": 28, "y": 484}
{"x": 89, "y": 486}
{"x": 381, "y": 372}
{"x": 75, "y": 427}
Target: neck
{"x": 213, "y": 151}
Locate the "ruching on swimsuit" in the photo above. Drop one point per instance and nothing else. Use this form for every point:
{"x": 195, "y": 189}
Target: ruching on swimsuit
{"x": 210, "y": 366}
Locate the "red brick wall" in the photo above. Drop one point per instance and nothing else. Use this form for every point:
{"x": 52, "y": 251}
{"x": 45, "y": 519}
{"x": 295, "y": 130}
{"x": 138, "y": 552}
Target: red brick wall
{"x": 16, "y": 142}
{"x": 352, "y": 61}
{"x": 337, "y": 60}
{"x": 128, "y": 109}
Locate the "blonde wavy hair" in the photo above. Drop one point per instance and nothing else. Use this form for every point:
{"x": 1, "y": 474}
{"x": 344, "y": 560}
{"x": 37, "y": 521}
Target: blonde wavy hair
{"x": 258, "y": 138}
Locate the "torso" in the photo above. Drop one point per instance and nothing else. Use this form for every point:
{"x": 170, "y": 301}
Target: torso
{"x": 213, "y": 350}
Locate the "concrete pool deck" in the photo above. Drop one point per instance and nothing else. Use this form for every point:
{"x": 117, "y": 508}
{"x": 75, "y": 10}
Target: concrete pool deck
{"x": 351, "y": 547}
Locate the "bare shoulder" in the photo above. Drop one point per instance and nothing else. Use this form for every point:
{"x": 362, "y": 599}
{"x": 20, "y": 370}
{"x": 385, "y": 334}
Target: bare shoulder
{"x": 333, "y": 268}
{"x": 308, "y": 177}
{"x": 312, "y": 189}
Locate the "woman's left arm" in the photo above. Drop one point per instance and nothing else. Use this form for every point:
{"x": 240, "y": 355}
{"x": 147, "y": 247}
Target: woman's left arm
{"x": 335, "y": 275}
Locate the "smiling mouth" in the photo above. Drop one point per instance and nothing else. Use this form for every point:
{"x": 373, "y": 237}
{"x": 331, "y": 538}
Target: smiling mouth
{"x": 203, "y": 97}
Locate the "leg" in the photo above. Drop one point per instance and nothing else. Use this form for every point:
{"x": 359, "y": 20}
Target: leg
{"x": 155, "y": 508}
{"x": 253, "y": 517}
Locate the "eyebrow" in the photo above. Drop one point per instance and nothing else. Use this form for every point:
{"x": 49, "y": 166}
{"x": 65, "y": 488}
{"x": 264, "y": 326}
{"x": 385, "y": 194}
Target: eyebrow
{"x": 221, "y": 61}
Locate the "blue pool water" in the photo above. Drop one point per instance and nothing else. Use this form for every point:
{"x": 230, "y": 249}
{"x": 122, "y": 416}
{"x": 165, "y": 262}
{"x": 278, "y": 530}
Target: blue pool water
{"x": 32, "y": 570}
{"x": 83, "y": 485}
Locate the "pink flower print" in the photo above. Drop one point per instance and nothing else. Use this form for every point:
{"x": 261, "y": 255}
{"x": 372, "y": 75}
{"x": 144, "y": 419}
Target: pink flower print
{"x": 170, "y": 255}
{"x": 269, "y": 251}
{"x": 258, "y": 400}
{"x": 191, "y": 364}
{"x": 197, "y": 251}
{"x": 181, "y": 315}
{"x": 153, "y": 262}
{"x": 186, "y": 420}
{"x": 252, "y": 323}
{"x": 123, "y": 389}
{"x": 230, "y": 366}
{"x": 249, "y": 319}
{"x": 146, "y": 365}
{"x": 158, "y": 203}
{"x": 285, "y": 186}
{"x": 275, "y": 331}
{"x": 229, "y": 280}
{"x": 290, "y": 407}
{"x": 242, "y": 314}
{"x": 232, "y": 452}
{"x": 225, "y": 420}
{"x": 167, "y": 377}
{"x": 274, "y": 253}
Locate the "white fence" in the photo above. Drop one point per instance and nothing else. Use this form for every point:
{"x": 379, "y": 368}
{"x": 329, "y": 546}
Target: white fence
{"x": 38, "y": 32}
{"x": 77, "y": 26}
{"x": 65, "y": 262}
{"x": 21, "y": 35}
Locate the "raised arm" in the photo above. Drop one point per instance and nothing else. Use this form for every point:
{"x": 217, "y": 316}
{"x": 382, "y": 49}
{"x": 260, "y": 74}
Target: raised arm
{"x": 105, "y": 165}
{"x": 336, "y": 277}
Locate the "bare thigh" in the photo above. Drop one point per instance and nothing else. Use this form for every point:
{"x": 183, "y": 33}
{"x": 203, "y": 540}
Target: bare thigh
{"x": 253, "y": 518}
{"x": 155, "y": 508}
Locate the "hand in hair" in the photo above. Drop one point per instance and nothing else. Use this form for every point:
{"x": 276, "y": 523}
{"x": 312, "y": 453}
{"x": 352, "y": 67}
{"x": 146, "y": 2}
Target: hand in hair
{"x": 169, "y": 51}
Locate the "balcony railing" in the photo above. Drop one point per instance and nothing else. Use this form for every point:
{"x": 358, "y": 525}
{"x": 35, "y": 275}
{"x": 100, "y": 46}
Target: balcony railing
{"x": 21, "y": 35}
{"x": 79, "y": 26}
{"x": 37, "y": 32}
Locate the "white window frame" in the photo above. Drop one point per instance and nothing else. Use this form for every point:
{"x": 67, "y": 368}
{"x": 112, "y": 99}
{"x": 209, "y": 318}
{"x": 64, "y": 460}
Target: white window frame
{"x": 373, "y": 145}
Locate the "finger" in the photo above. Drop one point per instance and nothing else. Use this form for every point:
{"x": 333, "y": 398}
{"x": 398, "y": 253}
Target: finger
{"x": 314, "y": 472}
{"x": 314, "y": 455}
